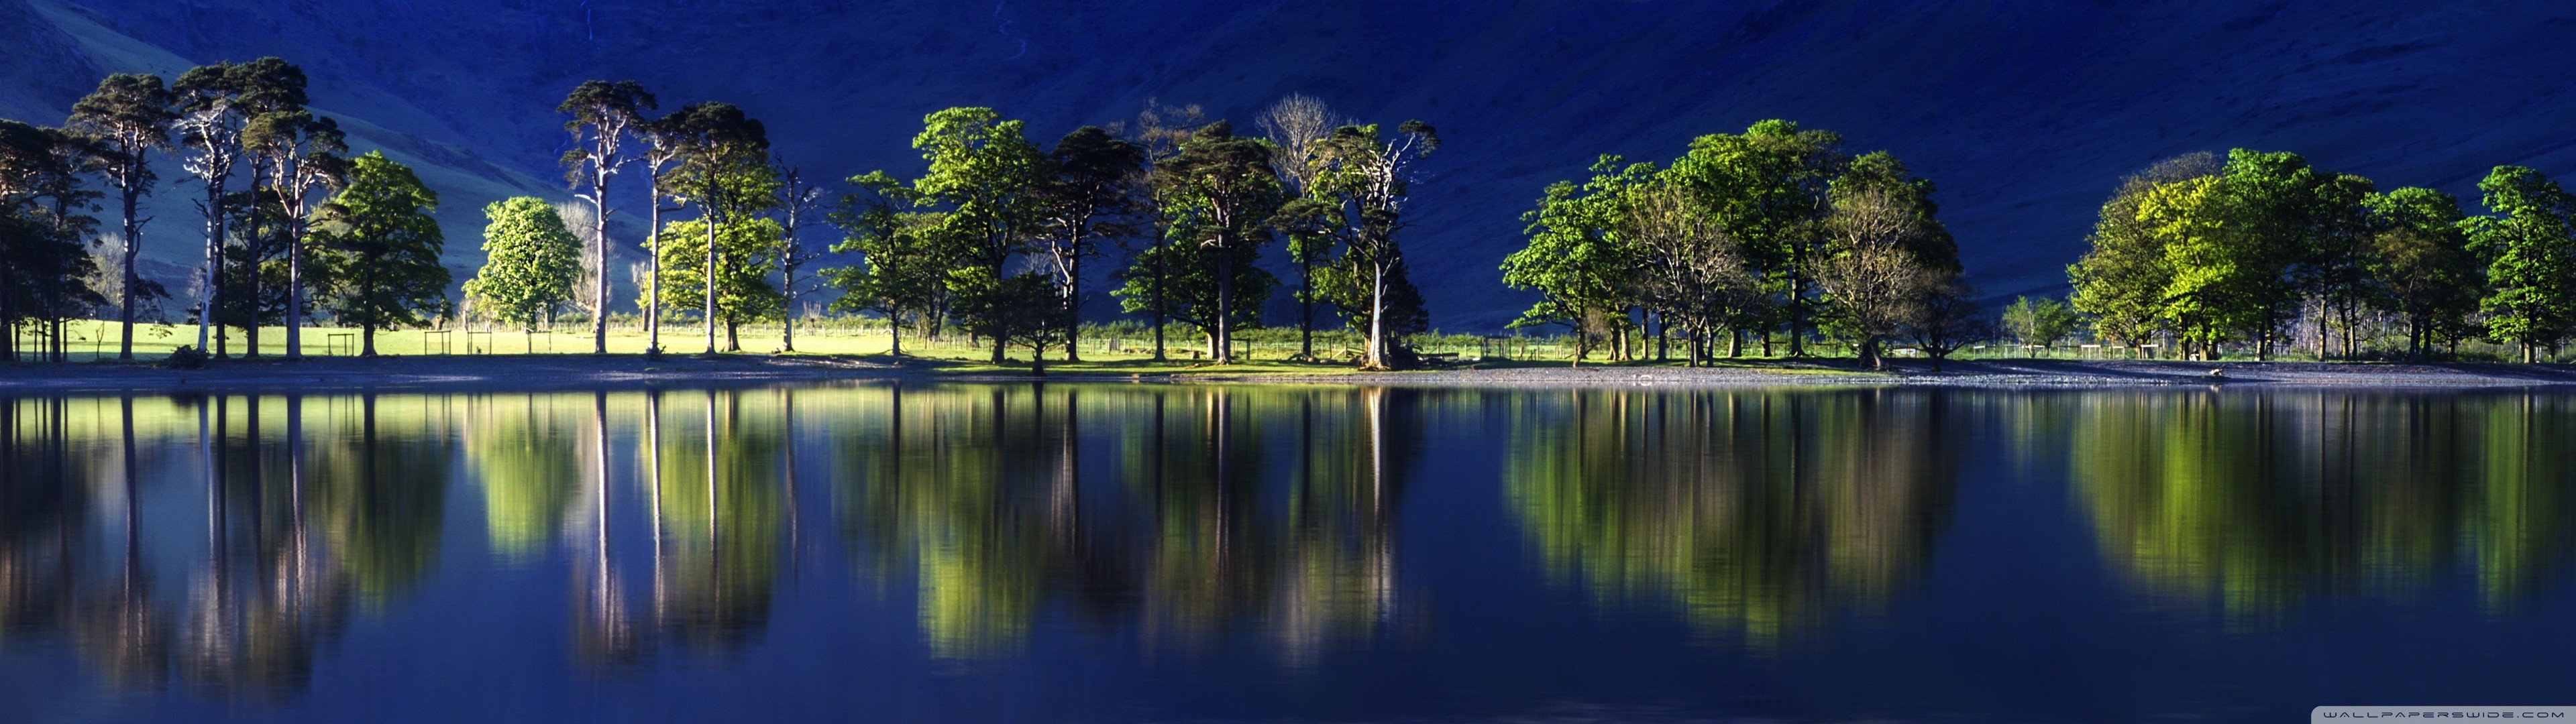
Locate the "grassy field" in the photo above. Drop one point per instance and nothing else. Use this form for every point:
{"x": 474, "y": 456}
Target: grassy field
{"x": 1111, "y": 349}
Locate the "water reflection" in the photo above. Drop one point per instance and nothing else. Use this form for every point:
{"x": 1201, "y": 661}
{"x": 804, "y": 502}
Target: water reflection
{"x": 222, "y": 545}
{"x": 1221, "y": 507}
{"x": 1754, "y": 513}
{"x": 2256, "y": 503}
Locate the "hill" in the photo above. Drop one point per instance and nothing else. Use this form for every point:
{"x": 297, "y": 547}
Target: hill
{"x": 2024, "y": 113}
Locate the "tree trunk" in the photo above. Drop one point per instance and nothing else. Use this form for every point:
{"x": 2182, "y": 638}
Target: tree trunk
{"x": 367, "y": 337}
{"x": 1306, "y": 308}
{"x": 599, "y": 279}
{"x": 294, "y": 296}
{"x": 1162, "y": 304}
{"x": 1073, "y": 310}
{"x": 1377, "y": 316}
{"x": 710, "y": 281}
{"x": 1223, "y": 351}
{"x": 894, "y": 334}
{"x": 214, "y": 259}
{"x": 133, "y": 194}
{"x": 653, "y": 302}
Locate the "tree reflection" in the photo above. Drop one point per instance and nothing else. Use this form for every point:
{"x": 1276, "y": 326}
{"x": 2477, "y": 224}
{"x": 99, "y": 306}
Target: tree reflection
{"x": 1753, "y": 512}
{"x": 1206, "y": 519}
{"x": 2259, "y": 502}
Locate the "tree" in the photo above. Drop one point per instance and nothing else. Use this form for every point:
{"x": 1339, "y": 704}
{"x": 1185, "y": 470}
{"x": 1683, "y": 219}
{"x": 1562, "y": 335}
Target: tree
{"x": 1871, "y": 279}
{"x": 797, "y": 203}
{"x": 1770, "y": 187}
{"x": 726, "y": 173}
{"x": 2120, "y": 282}
{"x": 2532, "y": 242}
{"x": 1160, "y": 129}
{"x": 384, "y": 248}
{"x": 1369, "y": 179}
{"x": 602, "y": 114}
{"x": 1885, "y": 251}
{"x": 1298, "y": 125}
{"x": 1092, "y": 195}
{"x": 2039, "y": 323}
{"x": 1577, "y": 257}
{"x": 985, "y": 179}
{"x": 2219, "y": 275}
{"x": 1178, "y": 281}
{"x": 531, "y": 262}
{"x": 211, "y": 116}
{"x": 902, "y": 269}
{"x": 1949, "y": 318}
{"x": 1224, "y": 184}
{"x": 746, "y": 259}
{"x": 2422, "y": 266}
{"x": 666, "y": 145}
{"x": 1688, "y": 269}
{"x": 298, "y": 153}
{"x": 1019, "y": 309}
{"x": 130, "y": 117}
{"x": 42, "y": 252}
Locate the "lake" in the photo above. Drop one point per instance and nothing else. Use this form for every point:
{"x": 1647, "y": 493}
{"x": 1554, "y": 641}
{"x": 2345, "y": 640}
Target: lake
{"x": 1115, "y": 552}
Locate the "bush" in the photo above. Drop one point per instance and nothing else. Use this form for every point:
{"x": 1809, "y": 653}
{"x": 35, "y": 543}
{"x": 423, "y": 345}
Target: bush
{"x": 186, "y": 357}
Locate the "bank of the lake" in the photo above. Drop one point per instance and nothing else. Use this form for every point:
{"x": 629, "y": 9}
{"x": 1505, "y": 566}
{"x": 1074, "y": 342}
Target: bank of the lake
{"x": 527, "y": 372}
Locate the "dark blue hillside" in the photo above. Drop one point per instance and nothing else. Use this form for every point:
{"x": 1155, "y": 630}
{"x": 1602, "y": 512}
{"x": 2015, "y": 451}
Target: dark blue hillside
{"x": 2025, "y": 113}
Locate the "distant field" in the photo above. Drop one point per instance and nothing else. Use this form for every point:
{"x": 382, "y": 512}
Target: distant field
{"x": 1109, "y": 349}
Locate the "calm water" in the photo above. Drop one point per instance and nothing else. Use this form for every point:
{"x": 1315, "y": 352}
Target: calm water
{"x": 1121, "y": 552}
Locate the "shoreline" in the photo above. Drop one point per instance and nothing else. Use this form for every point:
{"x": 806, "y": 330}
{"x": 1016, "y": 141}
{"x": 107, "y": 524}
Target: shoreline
{"x": 628, "y": 371}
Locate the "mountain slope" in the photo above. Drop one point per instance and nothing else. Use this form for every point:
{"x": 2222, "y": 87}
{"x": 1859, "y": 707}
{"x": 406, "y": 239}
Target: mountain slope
{"x": 2024, "y": 113}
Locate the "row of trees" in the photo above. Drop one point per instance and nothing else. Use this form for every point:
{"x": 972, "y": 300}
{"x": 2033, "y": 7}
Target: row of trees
{"x": 995, "y": 233}
{"x": 2214, "y": 252}
{"x": 1775, "y": 230}
{"x": 291, "y": 222}
{"x": 993, "y": 237}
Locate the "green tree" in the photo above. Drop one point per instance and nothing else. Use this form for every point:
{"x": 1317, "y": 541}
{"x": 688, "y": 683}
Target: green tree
{"x": 727, "y": 174}
{"x": 1366, "y": 180}
{"x": 2218, "y": 275}
{"x": 2039, "y": 323}
{"x": 1177, "y": 280}
{"x": 1770, "y": 187}
{"x": 746, "y": 260}
{"x": 299, "y": 153}
{"x": 1576, "y": 257}
{"x": 129, "y": 116}
{"x": 985, "y": 180}
{"x": 2120, "y": 282}
{"x": 901, "y": 269}
{"x": 211, "y": 114}
{"x": 1226, "y": 188}
{"x": 1021, "y": 309}
{"x": 42, "y": 253}
{"x": 2532, "y": 242}
{"x": 383, "y": 248}
{"x": 2421, "y": 264}
{"x": 1092, "y": 195}
{"x": 531, "y": 262}
{"x": 602, "y": 114}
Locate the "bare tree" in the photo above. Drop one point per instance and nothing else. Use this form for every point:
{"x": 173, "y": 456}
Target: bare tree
{"x": 1299, "y": 125}
{"x": 581, "y": 218}
{"x": 1872, "y": 283}
{"x": 1690, "y": 270}
{"x": 798, "y": 202}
